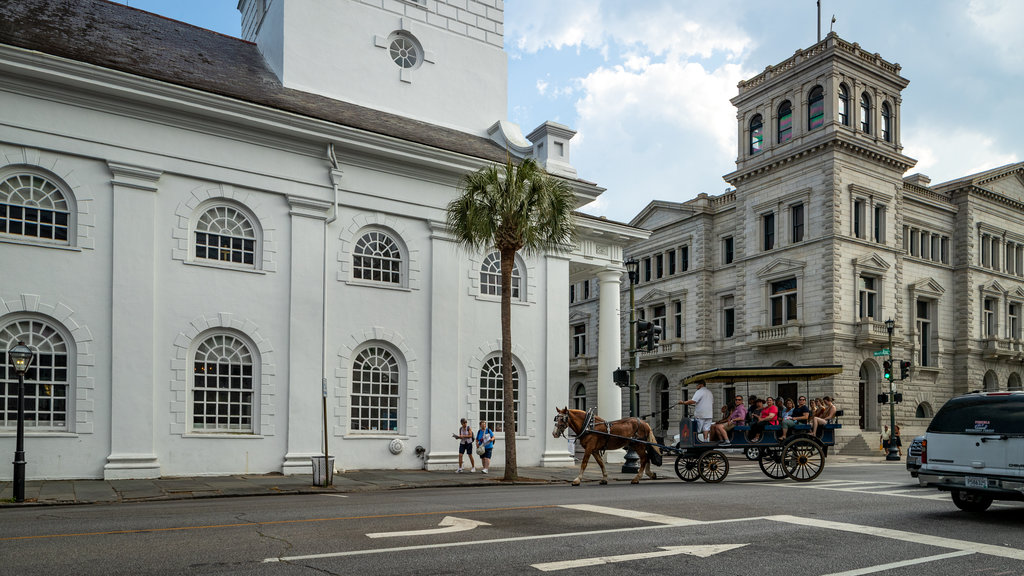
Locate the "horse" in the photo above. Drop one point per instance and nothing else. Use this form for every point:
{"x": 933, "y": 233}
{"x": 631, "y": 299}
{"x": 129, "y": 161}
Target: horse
{"x": 595, "y": 440}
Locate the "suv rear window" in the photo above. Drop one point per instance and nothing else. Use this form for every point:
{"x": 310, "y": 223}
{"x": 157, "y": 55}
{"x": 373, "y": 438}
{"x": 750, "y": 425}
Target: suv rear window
{"x": 981, "y": 415}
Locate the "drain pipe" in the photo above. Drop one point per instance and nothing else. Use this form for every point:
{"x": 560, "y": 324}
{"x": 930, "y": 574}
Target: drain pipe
{"x": 335, "y": 176}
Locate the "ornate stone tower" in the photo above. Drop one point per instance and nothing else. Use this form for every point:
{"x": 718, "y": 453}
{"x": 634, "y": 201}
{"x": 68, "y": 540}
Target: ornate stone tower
{"x": 433, "y": 60}
{"x": 818, "y": 182}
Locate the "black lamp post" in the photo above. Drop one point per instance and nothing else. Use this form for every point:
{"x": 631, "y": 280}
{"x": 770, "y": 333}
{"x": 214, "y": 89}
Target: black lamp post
{"x": 631, "y": 464}
{"x": 20, "y": 358}
{"x": 893, "y": 453}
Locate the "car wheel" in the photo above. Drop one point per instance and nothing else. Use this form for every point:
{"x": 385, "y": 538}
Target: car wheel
{"x": 752, "y": 453}
{"x": 971, "y": 501}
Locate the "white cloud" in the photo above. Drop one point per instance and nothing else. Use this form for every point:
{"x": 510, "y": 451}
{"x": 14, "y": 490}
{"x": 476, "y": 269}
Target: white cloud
{"x": 945, "y": 154}
{"x": 998, "y": 24}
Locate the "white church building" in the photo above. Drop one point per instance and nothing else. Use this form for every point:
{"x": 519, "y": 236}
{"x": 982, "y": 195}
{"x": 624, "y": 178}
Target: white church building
{"x": 214, "y": 245}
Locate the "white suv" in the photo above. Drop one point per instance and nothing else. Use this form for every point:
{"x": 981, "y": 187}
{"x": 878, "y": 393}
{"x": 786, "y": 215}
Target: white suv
{"x": 974, "y": 448}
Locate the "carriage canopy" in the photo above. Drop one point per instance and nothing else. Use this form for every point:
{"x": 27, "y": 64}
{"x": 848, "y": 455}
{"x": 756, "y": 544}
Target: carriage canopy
{"x": 763, "y": 374}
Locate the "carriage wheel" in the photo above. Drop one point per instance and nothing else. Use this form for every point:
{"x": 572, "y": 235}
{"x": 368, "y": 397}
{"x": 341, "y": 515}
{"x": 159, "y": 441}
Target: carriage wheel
{"x": 803, "y": 460}
{"x": 770, "y": 462}
{"x": 687, "y": 467}
{"x": 714, "y": 466}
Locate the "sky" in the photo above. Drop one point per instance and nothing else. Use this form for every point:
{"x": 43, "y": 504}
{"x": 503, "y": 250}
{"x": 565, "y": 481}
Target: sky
{"x": 646, "y": 83}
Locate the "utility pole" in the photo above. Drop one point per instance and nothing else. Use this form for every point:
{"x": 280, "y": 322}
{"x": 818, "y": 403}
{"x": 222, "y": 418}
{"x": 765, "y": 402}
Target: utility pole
{"x": 893, "y": 453}
{"x": 631, "y": 464}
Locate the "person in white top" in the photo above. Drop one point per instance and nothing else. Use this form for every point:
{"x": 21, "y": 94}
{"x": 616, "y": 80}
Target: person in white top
{"x": 704, "y": 400}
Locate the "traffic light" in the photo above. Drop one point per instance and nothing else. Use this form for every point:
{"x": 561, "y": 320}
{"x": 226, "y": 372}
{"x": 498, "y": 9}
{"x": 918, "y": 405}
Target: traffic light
{"x": 620, "y": 377}
{"x": 643, "y": 330}
{"x": 883, "y": 398}
{"x": 887, "y": 368}
{"x": 904, "y": 370}
{"x": 653, "y": 337}
{"x": 898, "y": 397}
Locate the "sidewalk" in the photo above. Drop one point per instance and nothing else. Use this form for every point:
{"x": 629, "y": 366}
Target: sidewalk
{"x": 54, "y": 492}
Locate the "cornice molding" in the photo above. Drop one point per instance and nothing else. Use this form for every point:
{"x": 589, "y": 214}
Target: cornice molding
{"x": 836, "y": 141}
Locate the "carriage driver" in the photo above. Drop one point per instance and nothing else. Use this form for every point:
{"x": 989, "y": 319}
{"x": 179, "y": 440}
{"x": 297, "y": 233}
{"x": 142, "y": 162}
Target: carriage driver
{"x": 703, "y": 413}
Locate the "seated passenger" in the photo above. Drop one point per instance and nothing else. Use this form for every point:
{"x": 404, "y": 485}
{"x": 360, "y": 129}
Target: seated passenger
{"x": 826, "y": 413}
{"x": 768, "y": 415}
{"x": 737, "y": 416}
{"x": 799, "y": 415}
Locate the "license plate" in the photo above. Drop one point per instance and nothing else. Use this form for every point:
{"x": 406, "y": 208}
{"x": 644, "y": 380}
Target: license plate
{"x": 976, "y": 482}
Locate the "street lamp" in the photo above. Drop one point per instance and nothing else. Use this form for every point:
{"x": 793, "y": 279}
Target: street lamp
{"x": 20, "y": 358}
{"x": 892, "y": 455}
{"x": 631, "y": 464}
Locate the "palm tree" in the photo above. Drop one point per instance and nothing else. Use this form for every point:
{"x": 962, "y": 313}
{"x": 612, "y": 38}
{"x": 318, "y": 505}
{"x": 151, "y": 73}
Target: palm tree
{"x": 511, "y": 208}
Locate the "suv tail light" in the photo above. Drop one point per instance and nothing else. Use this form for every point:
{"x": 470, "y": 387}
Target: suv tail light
{"x": 924, "y": 451}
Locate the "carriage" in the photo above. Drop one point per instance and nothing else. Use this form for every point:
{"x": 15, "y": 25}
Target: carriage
{"x": 800, "y": 456}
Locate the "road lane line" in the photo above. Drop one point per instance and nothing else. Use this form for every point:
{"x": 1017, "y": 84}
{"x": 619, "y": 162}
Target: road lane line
{"x": 702, "y": 551}
{"x": 336, "y": 495}
{"x": 892, "y": 565}
{"x": 645, "y": 516}
{"x": 937, "y": 541}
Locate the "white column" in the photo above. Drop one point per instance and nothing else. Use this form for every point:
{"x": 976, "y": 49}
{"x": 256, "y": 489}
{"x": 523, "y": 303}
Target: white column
{"x": 306, "y": 313}
{"x": 609, "y": 344}
{"x": 556, "y": 380}
{"x": 447, "y": 397}
{"x": 133, "y": 324}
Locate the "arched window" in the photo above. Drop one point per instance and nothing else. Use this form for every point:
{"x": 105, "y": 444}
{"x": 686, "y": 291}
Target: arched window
{"x": 991, "y": 381}
{"x": 844, "y": 105}
{"x": 226, "y": 235}
{"x": 816, "y": 108}
{"x": 492, "y": 405}
{"x": 785, "y": 126}
{"x": 886, "y": 122}
{"x": 865, "y": 113}
{"x": 223, "y": 385}
{"x": 490, "y": 277}
{"x": 924, "y": 410}
{"x": 376, "y": 391}
{"x": 579, "y": 397}
{"x": 377, "y": 258}
{"x": 34, "y": 207}
{"x": 1013, "y": 382}
{"x": 46, "y": 380}
{"x": 756, "y": 134}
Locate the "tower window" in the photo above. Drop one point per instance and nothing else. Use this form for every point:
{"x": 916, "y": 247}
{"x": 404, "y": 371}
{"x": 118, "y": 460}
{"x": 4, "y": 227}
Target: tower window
{"x": 886, "y": 122}
{"x": 785, "y": 127}
{"x": 865, "y": 113}
{"x": 816, "y": 108}
{"x": 756, "y": 134}
{"x": 844, "y": 105}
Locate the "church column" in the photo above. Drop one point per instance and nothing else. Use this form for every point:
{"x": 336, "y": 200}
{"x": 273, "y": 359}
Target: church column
{"x": 449, "y": 390}
{"x": 133, "y": 323}
{"x": 305, "y": 317}
{"x": 556, "y": 378}
{"x": 609, "y": 344}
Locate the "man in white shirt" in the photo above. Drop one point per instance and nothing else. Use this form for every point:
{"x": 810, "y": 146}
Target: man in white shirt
{"x": 703, "y": 413}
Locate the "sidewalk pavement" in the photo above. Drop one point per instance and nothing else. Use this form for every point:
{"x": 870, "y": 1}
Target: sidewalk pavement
{"x": 59, "y": 492}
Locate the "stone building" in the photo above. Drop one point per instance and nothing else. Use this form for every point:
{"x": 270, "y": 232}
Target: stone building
{"x": 214, "y": 244}
{"x": 820, "y": 239}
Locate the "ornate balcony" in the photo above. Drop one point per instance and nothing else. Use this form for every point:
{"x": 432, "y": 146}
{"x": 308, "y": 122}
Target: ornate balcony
{"x": 872, "y": 334}
{"x": 582, "y": 364}
{"x": 789, "y": 335}
{"x": 1004, "y": 348}
{"x": 667, "y": 351}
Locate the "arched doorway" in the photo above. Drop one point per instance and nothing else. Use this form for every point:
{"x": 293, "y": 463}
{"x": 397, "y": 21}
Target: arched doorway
{"x": 1013, "y": 382}
{"x": 867, "y": 396}
{"x": 991, "y": 381}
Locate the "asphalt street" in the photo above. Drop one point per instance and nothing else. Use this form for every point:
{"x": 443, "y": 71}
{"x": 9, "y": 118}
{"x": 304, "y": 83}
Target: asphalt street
{"x": 855, "y": 518}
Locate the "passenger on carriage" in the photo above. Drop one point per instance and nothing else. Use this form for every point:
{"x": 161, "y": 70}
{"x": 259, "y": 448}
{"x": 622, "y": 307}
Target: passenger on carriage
{"x": 737, "y": 416}
{"x": 785, "y": 408}
{"x": 754, "y": 409}
{"x": 769, "y": 415}
{"x": 799, "y": 415}
{"x": 826, "y": 412}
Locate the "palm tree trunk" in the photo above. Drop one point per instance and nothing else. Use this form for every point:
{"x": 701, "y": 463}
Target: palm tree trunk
{"x": 508, "y": 399}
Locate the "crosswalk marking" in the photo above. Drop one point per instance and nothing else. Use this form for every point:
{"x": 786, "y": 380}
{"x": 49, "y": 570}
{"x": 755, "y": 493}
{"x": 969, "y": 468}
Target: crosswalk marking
{"x": 866, "y": 487}
{"x": 645, "y": 516}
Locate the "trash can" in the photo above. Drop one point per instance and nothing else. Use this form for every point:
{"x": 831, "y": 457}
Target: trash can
{"x": 323, "y": 472}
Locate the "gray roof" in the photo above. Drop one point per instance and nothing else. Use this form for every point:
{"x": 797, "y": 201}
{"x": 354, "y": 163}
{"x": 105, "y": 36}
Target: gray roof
{"x": 129, "y": 40}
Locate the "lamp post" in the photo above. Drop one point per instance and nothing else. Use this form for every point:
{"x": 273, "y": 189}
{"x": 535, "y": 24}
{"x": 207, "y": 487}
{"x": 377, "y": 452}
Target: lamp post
{"x": 20, "y": 357}
{"x": 631, "y": 463}
{"x": 893, "y": 454}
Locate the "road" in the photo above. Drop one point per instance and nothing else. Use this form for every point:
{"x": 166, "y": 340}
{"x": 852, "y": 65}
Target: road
{"x": 854, "y": 519}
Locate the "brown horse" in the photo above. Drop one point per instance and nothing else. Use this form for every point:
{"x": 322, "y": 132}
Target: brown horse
{"x": 597, "y": 439}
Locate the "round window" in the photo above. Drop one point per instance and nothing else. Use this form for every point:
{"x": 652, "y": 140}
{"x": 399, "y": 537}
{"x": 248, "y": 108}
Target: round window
{"x": 405, "y": 51}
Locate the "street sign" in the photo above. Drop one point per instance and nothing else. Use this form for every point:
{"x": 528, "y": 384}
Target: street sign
{"x": 882, "y": 352}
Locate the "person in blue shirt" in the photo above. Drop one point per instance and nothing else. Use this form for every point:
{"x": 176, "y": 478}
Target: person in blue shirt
{"x": 485, "y": 438}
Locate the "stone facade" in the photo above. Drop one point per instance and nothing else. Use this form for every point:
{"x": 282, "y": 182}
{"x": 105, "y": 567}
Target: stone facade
{"x": 828, "y": 239}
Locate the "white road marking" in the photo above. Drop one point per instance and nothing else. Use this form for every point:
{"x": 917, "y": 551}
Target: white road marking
{"x": 645, "y": 516}
{"x": 700, "y": 551}
{"x": 336, "y": 495}
{"x": 448, "y": 524}
{"x": 914, "y": 537}
{"x": 892, "y": 565}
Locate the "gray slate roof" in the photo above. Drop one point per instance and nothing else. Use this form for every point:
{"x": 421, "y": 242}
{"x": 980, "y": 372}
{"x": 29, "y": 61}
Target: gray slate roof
{"x": 129, "y": 40}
